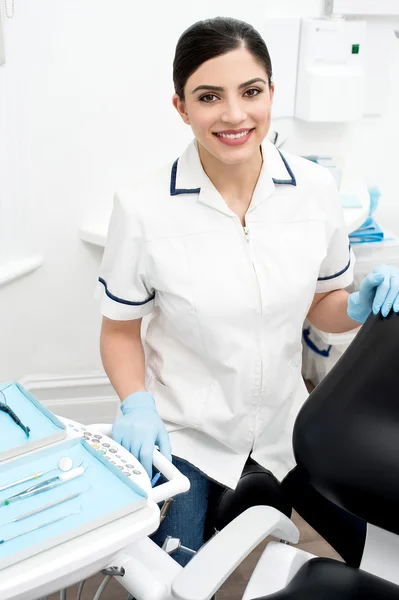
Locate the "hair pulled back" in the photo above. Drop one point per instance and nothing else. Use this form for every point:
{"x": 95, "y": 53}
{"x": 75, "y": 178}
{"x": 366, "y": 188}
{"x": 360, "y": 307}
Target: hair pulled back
{"x": 211, "y": 38}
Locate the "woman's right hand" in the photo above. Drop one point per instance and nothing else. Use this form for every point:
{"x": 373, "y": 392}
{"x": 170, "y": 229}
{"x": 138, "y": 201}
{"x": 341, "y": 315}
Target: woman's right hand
{"x": 140, "y": 428}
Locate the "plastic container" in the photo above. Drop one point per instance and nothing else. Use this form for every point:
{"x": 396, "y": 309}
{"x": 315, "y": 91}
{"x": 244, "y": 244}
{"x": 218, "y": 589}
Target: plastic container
{"x": 322, "y": 350}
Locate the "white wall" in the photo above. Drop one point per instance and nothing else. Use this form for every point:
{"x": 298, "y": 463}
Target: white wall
{"x": 73, "y": 114}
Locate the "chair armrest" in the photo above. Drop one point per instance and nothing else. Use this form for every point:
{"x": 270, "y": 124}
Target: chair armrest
{"x": 274, "y": 570}
{"x": 217, "y": 559}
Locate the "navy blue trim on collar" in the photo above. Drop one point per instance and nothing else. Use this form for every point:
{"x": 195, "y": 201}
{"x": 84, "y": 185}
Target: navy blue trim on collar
{"x": 339, "y": 272}
{"x": 291, "y": 181}
{"x": 175, "y": 191}
{"x": 120, "y": 300}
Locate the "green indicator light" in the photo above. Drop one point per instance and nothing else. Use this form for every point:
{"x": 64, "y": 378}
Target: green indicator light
{"x": 355, "y": 48}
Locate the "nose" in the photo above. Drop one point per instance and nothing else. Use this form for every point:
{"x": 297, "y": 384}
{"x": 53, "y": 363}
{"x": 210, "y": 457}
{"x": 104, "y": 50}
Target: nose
{"x": 233, "y": 112}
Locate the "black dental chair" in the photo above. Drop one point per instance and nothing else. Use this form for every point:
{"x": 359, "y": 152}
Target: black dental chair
{"x": 346, "y": 444}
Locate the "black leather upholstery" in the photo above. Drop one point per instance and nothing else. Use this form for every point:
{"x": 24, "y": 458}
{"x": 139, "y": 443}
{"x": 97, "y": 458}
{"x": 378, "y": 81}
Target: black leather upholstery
{"x": 345, "y": 532}
{"x": 257, "y": 486}
{"x": 346, "y": 437}
{"x": 326, "y": 579}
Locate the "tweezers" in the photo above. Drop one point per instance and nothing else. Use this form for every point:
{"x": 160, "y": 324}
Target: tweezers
{"x": 49, "y": 484}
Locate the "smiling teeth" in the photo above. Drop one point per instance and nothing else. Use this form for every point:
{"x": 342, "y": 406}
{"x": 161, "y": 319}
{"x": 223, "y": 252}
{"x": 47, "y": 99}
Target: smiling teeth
{"x": 234, "y": 136}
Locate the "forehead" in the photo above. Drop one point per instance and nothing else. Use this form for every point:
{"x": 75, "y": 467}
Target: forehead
{"x": 227, "y": 70}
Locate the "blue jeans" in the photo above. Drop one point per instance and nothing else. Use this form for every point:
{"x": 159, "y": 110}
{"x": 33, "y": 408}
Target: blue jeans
{"x": 186, "y": 517}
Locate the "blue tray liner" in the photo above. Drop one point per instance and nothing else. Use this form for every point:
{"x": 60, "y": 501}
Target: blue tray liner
{"x": 41, "y": 421}
{"x": 110, "y": 491}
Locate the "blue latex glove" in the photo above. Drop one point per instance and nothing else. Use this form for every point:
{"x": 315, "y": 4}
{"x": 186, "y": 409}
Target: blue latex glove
{"x": 379, "y": 291}
{"x": 140, "y": 427}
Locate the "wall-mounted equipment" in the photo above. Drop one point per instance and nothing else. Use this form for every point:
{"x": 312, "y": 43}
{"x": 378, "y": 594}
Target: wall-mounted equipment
{"x": 331, "y": 75}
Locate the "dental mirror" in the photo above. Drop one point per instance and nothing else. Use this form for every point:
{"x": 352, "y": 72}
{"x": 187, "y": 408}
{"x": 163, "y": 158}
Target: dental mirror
{"x": 65, "y": 463}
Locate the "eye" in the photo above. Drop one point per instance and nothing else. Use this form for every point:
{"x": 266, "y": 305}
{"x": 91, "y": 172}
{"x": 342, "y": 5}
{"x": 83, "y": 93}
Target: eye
{"x": 252, "y": 92}
{"x": 208, "y": 98}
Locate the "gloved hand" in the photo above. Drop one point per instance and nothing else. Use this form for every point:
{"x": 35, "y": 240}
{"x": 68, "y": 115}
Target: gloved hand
{"x": 378, "y": 291}
{"x": 140, "y": 427}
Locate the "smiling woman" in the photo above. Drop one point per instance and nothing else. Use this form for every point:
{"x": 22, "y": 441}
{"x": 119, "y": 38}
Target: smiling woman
{"x": 224, "y": 92}
{"x": 230, "y": 247}
{"x": 230, "y": 120}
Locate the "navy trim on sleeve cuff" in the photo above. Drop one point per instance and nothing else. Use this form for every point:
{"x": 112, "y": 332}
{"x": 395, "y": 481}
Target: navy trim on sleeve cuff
{"x": 128, "y": 302}
{"x": 339, "y": 272}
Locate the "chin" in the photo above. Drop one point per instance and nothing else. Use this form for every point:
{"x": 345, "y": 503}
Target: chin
{"x": 235, "y": 155}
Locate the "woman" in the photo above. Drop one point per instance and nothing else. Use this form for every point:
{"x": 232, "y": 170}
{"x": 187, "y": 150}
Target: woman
{"x": 229, "y": 248}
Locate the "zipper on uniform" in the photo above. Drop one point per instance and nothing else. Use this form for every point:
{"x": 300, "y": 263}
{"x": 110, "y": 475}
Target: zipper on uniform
{"x": 247, "y": 239}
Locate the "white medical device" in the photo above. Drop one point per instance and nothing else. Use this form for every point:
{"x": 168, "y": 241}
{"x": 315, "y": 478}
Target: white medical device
{"x": 75, "y": 560}
{"x": 331, "y": 74}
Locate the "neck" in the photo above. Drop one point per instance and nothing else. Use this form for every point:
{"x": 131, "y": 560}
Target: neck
{"x": 235, "y": 182}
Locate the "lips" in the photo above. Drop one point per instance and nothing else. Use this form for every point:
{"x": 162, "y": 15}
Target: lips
{"x": 234, "y": 137}
{"x": 233, "y": 133}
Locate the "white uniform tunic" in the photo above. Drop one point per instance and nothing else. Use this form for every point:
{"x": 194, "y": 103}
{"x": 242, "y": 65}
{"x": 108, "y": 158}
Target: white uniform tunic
{"x": 223, "y": 346}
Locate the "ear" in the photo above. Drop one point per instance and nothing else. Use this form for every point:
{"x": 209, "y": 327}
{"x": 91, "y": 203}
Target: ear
{"x": 271, "y": 91}
{"x": 180, "y": 106}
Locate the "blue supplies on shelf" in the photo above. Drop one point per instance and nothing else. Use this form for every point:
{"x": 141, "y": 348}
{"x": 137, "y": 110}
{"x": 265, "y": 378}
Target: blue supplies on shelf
{"x": 369, "y": 231}
{"x": 350, "y": 201}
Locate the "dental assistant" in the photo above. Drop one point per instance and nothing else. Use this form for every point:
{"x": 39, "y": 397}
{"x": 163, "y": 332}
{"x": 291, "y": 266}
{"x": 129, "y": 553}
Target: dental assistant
{"x": 228, "y": 249}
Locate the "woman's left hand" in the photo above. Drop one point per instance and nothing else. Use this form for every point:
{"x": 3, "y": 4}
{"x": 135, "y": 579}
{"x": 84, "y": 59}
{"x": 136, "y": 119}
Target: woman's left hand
{"x": 379, "y": 291}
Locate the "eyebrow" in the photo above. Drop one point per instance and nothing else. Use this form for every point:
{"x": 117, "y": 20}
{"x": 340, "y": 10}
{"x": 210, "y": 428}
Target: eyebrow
{"x": 216, "y": 88}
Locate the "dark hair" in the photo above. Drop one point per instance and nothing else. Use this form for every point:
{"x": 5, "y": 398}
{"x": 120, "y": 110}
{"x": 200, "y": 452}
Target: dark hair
{"x": 211, "y": 38}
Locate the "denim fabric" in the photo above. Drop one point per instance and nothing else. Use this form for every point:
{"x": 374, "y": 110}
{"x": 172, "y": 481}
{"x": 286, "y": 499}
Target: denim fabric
{"x": 186, "y": 517}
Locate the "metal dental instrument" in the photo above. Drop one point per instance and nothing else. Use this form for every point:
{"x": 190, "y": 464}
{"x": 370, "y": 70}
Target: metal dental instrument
{"x": 65, "y": 464}
{"x": 13, "y": 537}
{"x": 47, "y": 506}
{"x": 49, "y": 484}
{"x": 5, "y": 408}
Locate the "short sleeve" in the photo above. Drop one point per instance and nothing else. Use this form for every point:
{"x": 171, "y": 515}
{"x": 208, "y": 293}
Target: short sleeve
{"x": 123, "y": 281}
{"x": 336, "y": 271}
